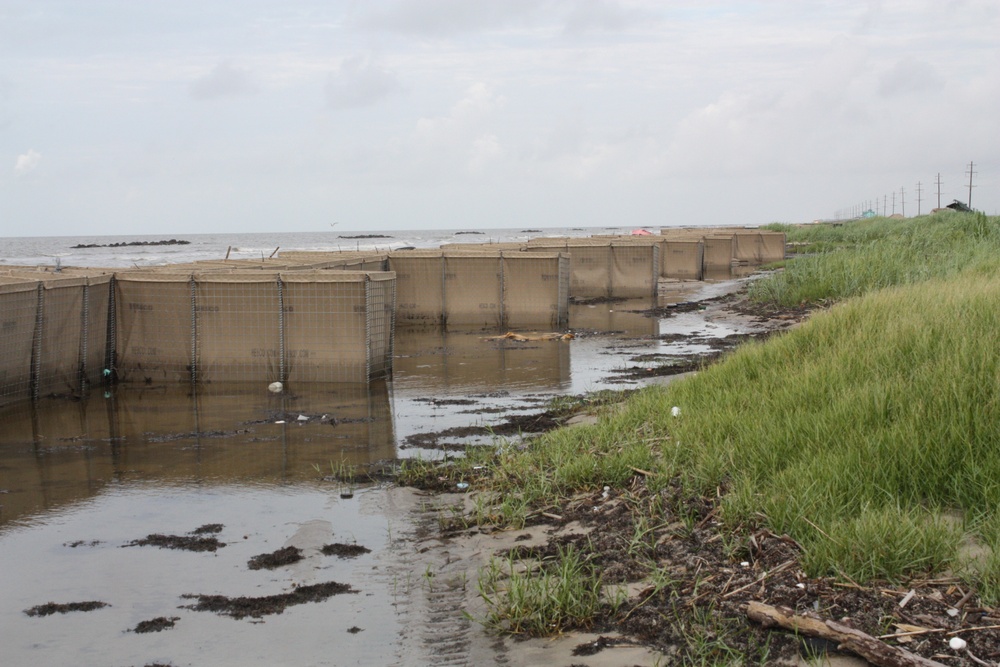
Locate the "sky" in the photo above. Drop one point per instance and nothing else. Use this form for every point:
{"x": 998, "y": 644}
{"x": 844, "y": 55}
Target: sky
{"x": 176, "y": 116}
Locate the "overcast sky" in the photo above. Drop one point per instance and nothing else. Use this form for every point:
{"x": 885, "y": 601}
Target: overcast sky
{"x": 150, "y": 116}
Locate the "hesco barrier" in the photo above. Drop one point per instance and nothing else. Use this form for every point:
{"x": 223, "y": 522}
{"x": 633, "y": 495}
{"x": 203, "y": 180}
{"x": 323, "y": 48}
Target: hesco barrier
{"x": 758, "y": 248}
{"x": 54, "y": 331}
{"x": 298, "y": 326}
{"x": 599, "y": 268}
{"x": 481, "y": 288}
{"x": 718, "y": 253}
{"x": 748, "y": 246}
{"x": 680, "y": 258}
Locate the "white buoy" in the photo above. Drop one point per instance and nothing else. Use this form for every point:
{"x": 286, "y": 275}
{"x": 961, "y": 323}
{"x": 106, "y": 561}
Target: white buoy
{"x": 275, "y": 387}
{"x": 957, "y": 643}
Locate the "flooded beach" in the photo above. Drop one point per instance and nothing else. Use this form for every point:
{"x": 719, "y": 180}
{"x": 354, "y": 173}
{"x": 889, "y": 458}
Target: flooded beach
{"x": 85, "y": 484}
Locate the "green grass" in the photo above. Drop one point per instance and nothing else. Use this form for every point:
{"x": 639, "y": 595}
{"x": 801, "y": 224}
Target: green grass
{"x": 866, "y": 255}
{"x": 528, "y": 597}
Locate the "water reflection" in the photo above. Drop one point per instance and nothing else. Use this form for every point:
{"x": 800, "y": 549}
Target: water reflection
{"x": 58, "y": 452}
{"x": 448, "y": 361}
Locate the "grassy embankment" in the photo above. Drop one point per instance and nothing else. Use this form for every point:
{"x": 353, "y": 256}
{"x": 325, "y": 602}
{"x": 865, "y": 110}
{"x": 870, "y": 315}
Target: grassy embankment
{"x": 870, "y": 434}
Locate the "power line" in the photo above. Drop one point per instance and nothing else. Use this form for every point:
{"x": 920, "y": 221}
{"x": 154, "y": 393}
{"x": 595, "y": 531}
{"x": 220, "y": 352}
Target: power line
{"x": 971, "y": 173}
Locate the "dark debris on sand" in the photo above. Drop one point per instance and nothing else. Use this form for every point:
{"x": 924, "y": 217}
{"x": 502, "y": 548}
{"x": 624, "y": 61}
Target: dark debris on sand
{"x": 157, "y": 624}
{"x": 344, "y": 550}
{"x": 258, "y": 607}
{"x": 62, "y": 608}
{"x": 275, "y": 559}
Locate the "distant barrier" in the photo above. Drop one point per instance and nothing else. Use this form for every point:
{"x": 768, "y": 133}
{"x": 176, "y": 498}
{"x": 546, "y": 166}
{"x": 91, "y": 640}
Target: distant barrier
{"x": 489, "y": 289}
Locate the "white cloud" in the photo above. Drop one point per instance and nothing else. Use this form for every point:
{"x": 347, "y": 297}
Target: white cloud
{"x": 225, "y": 80}
{"x": 27, "y": 162}
{"x": 910, "y": 76}
{"x": 359, "y": 82}
{"x": 485, "y": 149}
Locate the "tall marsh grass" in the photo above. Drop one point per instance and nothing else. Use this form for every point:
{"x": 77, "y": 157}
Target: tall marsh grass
{"x": 860, "y": 427}
{"x": 865, "y": 255}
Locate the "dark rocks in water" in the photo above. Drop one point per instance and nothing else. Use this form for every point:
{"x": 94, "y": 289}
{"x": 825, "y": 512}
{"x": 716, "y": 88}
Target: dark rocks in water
{"x": 183, "y": 542}
{"x": 344, "y": 550}
{"x": 270, "y": 561}
{"x": 259, "y": 607}
{"x": 207, "y": 528}
{"x": 123, "y": 244}
{"x": 157, "y": 624}
{"x": 56, "y": 608}
{"x": 366, "y": 236}
{"x": 457, "y": 233}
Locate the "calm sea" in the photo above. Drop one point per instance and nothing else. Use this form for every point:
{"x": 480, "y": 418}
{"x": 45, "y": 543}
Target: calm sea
{"x": 50, "y": 250}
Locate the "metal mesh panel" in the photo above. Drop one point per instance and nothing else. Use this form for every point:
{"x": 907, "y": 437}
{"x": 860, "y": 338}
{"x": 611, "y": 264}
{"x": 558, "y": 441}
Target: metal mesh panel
{"x": 18, "y": 314}
{"x": 718, "y": 253}
{"x": 533, "y": 293}
{"x": 325, "y": 323}
{"x": 759, "y": 247}
{"x": 589, "y": 269}
{"x": 237, "y": 325}
{"x": 634, "y": 269}
{"x": 419, "y": 288}
{"x": 61, "y": 337}
{"x": 95, "y": 341}
{"x": 472, "y": 290}
{"x": 682, "y": 260}
{"x": 154, "y": 327}
{"x": 381, "y": 308}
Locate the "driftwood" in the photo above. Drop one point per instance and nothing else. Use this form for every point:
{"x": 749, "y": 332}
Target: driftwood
{"x": 521, "y": 338}
{"x": 848, "y": 639}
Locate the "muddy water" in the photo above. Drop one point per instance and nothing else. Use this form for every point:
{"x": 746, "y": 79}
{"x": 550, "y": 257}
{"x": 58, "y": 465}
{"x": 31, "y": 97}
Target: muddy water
{"x": 80, "y": 481}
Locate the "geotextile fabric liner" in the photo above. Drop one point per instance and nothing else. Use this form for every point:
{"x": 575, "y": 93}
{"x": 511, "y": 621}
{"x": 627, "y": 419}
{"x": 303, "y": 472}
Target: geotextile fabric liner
{"x": 480, "y": 288}
{"x": 682, "y": 259}
{"x": 18, "y": 318}
{"x": 54, "y": 328}
{"x": 601, "y": 269}
{"x": 759, "y": 247}
{"x": 306, "y": 326}
{"x": 718, "y": 253}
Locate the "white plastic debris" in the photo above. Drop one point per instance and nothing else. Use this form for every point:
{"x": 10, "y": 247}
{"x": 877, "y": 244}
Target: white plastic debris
{"x": 462, "y": 485}
{"x": 952, "y": 612}
{"x": 800, "y": 585}
{"x": 303, "y": 418}
{"x": 280, "y": 421}
{"x": 675, "y": 411}
{"x": 745, "y": 564}
{"x": 957, "y": 643}
{"x": 275, "y": 387}
{"x": 607, "y": 492}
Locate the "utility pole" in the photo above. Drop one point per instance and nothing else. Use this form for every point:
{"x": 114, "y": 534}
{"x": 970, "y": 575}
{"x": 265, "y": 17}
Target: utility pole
{"x": 918, "y": 198}
{"x": 885, "y": 201}
{"x": 939, "y": 189}
{"x": 902, "y": 201}
{"x": 894, "y": 202}
{"x": 971, "y": 172}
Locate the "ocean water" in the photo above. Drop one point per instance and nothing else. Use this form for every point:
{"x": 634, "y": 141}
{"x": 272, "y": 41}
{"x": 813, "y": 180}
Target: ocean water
{"x": 61, "y": 250}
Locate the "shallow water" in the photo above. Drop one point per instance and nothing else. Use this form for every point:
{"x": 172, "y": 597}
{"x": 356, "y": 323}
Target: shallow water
{"x": 136, "y": 460}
